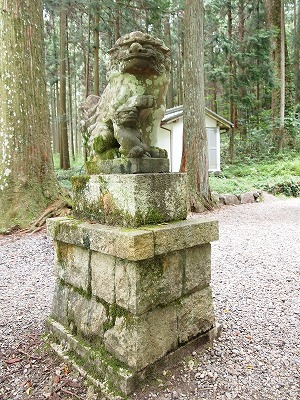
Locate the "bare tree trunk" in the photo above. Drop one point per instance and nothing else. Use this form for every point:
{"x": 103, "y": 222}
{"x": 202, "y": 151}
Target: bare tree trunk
{"x": 78, "y": 147}
{"x": 54, "y": 124}
{"x": 170, "y": 100}
{"x": 231, "y": 77}
{"x": 258, "y": 99}
{"x": 27, "y": 180}
{"x": 180, "y": 67}
{"x": 274, "y": 15}
{"x": 297, "y": 50}
{"x": 282, "y": 79}
{"x": 96, "y": 54}
{"x": 117, "y": 20}
{"x": 241, "y": 91}
{"x": 195, "y": 153}
{"x": 70, "y": 103}
{"x": 64, "y": 150}
{"x": 87, "y": 59}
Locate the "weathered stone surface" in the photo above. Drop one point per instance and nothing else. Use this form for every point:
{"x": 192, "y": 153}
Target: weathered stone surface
{"x": 86, "y": 316}
{"x": 128, "y": 166}
{"x": 140, "y": 341}
{"x": 184, "y": 234}
{"x": 68, "y": 230}
{"x": 130, "y": 200}
{"x": 229, "y": 199}
{"x": 125, "y": 120}
{"x": 249, "y": 197}
{"x": 143, "y": 285}
{"x": 103, "y": 366}
{"x": 59, "y": 309}
{"x": 197, "y": 267}
{"x": 72, "y": 264}
{"x": 195, "y": 314}
{"x": 103, "y": 276}
{"x": 102, "y": 238}
{"x": 135, "y": 245}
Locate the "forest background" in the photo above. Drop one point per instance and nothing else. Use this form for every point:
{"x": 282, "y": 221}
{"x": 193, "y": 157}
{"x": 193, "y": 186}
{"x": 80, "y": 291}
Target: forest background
{"x": 251, "y": 77}
{"x": 252, "y": 74}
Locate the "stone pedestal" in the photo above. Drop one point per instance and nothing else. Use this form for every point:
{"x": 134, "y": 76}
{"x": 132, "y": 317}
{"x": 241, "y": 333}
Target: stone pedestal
{"x": 129, "y": 299}
{"x": 128, "y": 166}
{"x": 130, "y": 200}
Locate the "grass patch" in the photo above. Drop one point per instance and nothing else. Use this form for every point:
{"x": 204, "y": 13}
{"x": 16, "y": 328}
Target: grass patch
{"x": 280, "y": 174}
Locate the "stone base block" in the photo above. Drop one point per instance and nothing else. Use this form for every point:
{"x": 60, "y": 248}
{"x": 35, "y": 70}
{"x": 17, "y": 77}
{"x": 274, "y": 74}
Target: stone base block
{"x": 114, "y": 379}
{"x": 128, "y": 166}
{"x": 130, "y": 200}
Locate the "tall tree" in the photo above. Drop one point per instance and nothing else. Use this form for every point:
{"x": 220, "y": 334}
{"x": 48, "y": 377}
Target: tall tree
{"x": 195, "y": 153}
{"x": 297, "y": 51}
{"x": 232, "y": 106}
{"x": 64, "y": 142}
{"x": 274, "y": 12}
{"x": 27, "y": 180}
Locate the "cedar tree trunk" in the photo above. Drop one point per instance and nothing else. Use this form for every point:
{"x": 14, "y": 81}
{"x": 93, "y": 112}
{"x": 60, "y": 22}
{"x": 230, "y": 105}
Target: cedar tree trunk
{"x": 195, "y": 154}
{"x": 27, "y": 180}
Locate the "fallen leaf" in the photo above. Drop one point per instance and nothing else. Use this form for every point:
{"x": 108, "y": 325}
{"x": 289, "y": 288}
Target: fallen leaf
{"x": 13, "y": 360}
{"x": 56, "y": 379}
{"x": 28, "y": 390}
{"x": 66, "y": 370}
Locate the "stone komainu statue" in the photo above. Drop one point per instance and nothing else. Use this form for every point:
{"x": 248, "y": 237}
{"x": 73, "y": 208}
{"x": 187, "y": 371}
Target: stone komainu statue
{"x": 124, "y": 121}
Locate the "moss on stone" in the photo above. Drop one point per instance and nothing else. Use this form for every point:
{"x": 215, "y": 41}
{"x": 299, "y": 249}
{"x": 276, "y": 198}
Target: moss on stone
{"x": 109, "y": 154}
{"x": 79, "y": 182}
{"x": 102, "y": 145}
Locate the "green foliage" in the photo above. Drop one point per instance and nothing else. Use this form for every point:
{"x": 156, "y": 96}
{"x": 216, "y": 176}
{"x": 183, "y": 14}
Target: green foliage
{"x": 278, "y": 175}
{"x": 64, "y": 176}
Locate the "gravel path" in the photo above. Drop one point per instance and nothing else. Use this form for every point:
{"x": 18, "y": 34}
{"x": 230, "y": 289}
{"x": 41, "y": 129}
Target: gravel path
{"x": 256, "y": 287}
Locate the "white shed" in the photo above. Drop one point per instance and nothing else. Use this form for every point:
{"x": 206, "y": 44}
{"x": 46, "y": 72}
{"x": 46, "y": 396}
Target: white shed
{"x": 171, "y": 131}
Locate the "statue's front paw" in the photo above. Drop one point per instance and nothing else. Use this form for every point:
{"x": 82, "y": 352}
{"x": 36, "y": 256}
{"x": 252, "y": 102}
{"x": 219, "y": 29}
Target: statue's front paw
{"x": 136, "y": 152}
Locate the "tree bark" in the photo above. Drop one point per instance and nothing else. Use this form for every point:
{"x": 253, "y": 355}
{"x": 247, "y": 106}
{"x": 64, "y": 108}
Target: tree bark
{"x": 27, "y": 180}
{"x": 274, "y": 15}
{"x": 117, "y": 20}
{"x": 195, "y": 153}
{"x": 241, "y": 90}
{"x": 87, "y": 58}
{"x": 232, "y": 111}
{"x": 70, "y": 102}
{"x": 64, "y": 142}
{"x": 96, "y": 54}
{"x": 169, "y": 100}
{"x": 297, "y": 51}
{"x": 282, "y": 78}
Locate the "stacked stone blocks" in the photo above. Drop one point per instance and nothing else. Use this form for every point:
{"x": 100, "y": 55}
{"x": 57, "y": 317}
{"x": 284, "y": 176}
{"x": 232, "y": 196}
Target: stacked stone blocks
{"x": 133, "y": 294}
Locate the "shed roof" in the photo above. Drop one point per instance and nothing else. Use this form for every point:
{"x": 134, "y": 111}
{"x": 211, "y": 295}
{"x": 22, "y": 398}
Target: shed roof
{"x": 172, "y": 114}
